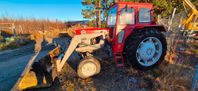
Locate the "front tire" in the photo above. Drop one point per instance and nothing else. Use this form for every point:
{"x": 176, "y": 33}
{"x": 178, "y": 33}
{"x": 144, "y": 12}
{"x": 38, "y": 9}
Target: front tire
{"x": 145, "y": 49}
{"x": 88, "y": 67}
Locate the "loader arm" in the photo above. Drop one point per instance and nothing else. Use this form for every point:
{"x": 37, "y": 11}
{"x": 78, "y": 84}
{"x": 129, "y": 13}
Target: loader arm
{"x": 76, "y": 40}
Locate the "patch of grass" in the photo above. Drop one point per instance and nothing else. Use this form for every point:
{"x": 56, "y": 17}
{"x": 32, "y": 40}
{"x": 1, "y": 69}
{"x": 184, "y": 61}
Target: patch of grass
{"x": 177, "y": 71}
{"x": 8, "y": 45}
{"x": 1, "y": 38}
{"x": 175, "y": 77}
{"x": 13, "y": 43}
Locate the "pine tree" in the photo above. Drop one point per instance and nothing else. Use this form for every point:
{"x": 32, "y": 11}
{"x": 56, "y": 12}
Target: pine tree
{"x": 93, "y": 10}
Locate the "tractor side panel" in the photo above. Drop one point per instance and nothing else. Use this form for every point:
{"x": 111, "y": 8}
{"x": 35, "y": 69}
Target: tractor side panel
{"x": 119, "y": 47}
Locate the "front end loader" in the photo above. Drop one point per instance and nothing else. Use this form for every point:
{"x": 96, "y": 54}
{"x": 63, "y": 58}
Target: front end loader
{"x": 131, "y": 37}
{"x": 42, "y": 73}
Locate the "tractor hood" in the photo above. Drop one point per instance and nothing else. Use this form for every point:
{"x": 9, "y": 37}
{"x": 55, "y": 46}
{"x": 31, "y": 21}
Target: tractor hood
{"x": 90, "y": 30}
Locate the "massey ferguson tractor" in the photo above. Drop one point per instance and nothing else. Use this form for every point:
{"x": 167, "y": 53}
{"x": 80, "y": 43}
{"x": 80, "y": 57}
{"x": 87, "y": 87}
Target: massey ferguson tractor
{"x": 131, "y": 37}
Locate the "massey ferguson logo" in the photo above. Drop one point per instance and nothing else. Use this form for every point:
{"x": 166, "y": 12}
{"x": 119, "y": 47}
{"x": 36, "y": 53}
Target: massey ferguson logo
{"x": 83, "y": 32}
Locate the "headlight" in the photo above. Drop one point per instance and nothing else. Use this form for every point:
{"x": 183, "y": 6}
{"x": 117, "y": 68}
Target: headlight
{"x": 120, "y": 36}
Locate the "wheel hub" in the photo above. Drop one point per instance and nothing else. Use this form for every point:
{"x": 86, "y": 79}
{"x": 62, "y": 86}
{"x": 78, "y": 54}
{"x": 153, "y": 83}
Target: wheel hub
{"x": 149, "y": 51}
{"x": 89, "y": 69}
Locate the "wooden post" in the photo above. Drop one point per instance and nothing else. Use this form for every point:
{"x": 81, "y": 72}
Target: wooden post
{"x": 13, "y": 30}
{"x": 171, "y": 21}
{"x": 158, "y": 19}
{"x": 172, "y": 36}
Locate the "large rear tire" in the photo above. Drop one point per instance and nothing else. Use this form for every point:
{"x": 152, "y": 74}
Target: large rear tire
{"x": 145, "y": 49}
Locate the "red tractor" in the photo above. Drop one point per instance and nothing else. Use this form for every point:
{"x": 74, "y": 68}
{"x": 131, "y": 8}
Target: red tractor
{"x": 131, "y": 36}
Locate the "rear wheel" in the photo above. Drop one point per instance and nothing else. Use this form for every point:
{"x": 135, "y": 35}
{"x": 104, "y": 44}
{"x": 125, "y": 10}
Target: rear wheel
{"x": 145, "y": 49}
{"x": 88, "y": 67}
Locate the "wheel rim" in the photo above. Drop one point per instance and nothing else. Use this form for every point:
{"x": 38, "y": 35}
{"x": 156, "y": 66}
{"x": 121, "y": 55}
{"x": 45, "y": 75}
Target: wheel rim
{"x": 149, "y": 51}
{"x": 89, "y": 69}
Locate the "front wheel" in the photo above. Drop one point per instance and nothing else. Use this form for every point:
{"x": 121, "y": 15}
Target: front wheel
{"x": 145, "y": 49}
{"x": 88, "y": 67}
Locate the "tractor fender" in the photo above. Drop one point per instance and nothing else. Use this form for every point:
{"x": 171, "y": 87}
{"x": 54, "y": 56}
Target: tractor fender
{"x": 158, "y": 27}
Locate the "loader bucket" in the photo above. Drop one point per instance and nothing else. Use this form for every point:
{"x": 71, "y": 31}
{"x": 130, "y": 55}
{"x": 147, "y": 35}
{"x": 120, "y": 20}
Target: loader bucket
{"x": 29, "y": 81}
{"x": 38, "y": 74}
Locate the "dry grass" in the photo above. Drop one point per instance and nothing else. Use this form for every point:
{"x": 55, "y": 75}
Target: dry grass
{"x": 37, "y": 30}
{"x": 178, "y": 69}
{"x": 24, "y": 26}
{"x": 175, "y": 77}
{"x": 1, "y": 38}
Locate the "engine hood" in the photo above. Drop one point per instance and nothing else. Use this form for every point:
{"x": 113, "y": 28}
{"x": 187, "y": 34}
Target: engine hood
{"x": 90, "y": 30}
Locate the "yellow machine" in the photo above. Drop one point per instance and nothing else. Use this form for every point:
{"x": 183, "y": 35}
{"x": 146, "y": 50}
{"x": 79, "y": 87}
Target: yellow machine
{"x": 191, "y": 22}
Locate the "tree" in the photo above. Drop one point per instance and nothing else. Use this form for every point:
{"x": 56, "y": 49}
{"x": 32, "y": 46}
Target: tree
{"x": 92, "y": 11}
{"x": 96, "y": 11}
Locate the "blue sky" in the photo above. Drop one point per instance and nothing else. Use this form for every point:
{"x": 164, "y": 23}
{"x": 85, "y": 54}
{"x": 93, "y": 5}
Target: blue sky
{"x": 64, "y": 10}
